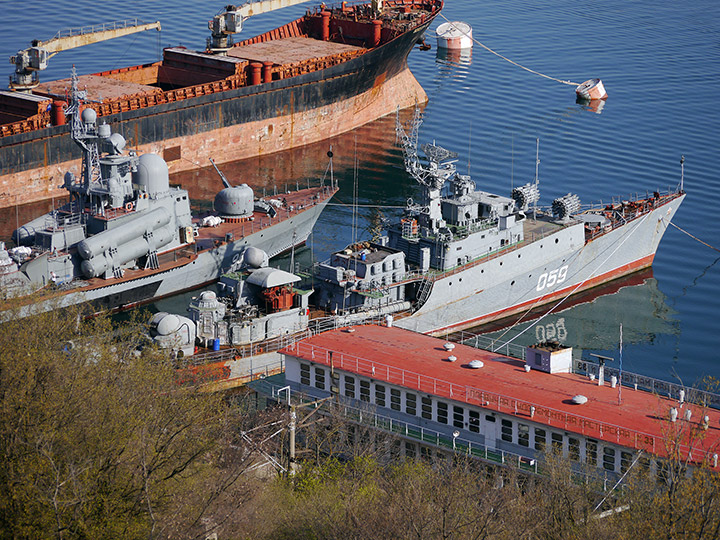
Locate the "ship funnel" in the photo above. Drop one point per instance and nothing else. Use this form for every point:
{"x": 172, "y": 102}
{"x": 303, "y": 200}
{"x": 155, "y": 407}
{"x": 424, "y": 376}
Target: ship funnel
{"x": 564, "y": 207}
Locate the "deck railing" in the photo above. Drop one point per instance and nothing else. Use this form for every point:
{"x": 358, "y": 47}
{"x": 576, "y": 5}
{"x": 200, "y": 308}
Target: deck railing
{"x": 558, "y": 419}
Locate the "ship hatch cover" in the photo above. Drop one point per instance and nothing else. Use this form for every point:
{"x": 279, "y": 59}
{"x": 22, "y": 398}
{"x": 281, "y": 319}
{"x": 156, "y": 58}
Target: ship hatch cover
{"x": 271, "y": 277}
{"x": 579, "y": 399}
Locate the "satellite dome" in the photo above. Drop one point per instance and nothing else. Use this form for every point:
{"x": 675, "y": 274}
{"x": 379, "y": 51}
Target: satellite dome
{"x": 254, "y": 257}
{"x": 116, "y": 142}
{"x": 152, "y": 174}
{"x": 88, "y": 116}
{"x": 235, "y": 201}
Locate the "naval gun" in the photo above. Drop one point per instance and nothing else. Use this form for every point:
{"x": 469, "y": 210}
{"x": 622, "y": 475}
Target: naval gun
{"x": 35, "y": 58}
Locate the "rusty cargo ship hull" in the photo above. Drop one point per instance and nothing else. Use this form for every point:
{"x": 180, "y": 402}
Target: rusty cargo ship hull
{"x": 311, "y": 79}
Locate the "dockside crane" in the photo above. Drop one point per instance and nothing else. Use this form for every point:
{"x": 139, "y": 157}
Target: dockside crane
{"x": 35, "y": 58}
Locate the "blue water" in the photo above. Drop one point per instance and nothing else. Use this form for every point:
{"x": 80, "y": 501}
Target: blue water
{"x": 659, "y": 62}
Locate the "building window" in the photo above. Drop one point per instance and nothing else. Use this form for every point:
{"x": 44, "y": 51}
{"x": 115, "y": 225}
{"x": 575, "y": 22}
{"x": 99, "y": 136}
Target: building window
{"x": 609, "y": 459}
{"x": 557, "y": 442}
{"x": 305, "y": 374}
{"x": 395, "y": 399}
{"x": 625, "y": 461}
{"x": 458, "y": 417}
{"x": 350, "y": 386}
{"x": 320, "y": 378}
{"x": 506, "y": 430}
{"x": 380, "y": 395}
{"x": 442, "y": 412}
{"x": 410, "y": 403}
{"x": 489, "y": 418}
{"x": 591, "y": 447}
{"x": 523, "y": 435}
{"x": 426, "y": 407}
{"x": 474, "y": 421}
{"x": 365, "y": 390}
{"x": 540, "y": 439}
{"x": 538, "y": 359}
{"x": 574, "y": 448}
{"x": 410, "y": 450}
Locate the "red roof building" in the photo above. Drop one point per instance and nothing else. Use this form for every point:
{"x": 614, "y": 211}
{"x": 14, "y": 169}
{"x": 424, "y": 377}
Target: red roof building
{"x": 501, "y": 402}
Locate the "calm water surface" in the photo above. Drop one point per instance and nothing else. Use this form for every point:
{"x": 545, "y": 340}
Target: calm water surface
{"x": 659, "y": 63}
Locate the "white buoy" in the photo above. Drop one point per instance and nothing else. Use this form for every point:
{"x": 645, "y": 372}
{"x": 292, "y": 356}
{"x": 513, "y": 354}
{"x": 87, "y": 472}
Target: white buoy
{"x": 454, "y": 35}
{"x": 591, "y": 89}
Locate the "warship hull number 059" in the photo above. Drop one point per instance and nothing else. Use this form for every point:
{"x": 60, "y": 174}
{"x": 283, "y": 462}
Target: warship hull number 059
{"x": 462, "y": 257}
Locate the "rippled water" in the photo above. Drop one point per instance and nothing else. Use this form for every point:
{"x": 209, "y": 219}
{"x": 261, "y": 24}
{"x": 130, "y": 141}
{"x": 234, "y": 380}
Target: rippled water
{"x": 659, "y": 63}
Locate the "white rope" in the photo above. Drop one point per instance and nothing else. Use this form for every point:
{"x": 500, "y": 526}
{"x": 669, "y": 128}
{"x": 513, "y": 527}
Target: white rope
{"x": 570, "y": 83}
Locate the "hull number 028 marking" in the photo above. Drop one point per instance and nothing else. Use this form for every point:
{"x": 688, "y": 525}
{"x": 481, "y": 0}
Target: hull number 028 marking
{"x": 549, "y": 279}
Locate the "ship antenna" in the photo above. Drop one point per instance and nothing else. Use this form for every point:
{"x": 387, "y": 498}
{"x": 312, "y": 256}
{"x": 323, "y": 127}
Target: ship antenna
{"x": 222, "y": 176}
{"x": 682, "y": 174}
{"x": 469, "y": 148}
{"x": 512, "y": 161}
{"x": 537, "y": 178}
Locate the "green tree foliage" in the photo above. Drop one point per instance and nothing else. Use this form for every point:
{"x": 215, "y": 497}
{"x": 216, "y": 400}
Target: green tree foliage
{"x": 98, "y": 440}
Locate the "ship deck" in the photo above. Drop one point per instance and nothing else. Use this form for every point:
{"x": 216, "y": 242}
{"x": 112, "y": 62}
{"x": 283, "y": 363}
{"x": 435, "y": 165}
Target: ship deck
{"x": 420, "y": 362}
{"x": 294, "y": 203}
{"x": 290, "y": 50}
{"x": 534, "y": 229}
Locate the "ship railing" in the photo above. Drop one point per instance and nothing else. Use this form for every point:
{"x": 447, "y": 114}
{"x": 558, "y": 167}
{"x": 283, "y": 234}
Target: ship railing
{"x": 673, "y": 391}
{"x": 488, "y": 344}
{"x": 588, "y": 427}
{"x": 617, "y": 219}
{"x": 221, "y": 374}
{"x": 634, "y": 197}
{"x": 114, "y": 25}
{"x": 427, "y": 437}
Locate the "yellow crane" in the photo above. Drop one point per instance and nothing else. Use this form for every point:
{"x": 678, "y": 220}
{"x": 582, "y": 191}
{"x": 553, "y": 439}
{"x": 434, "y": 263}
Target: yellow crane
{"x": 35, "y": 58}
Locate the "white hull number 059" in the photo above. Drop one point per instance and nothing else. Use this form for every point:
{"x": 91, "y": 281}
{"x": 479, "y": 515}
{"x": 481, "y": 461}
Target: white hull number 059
{"x": 548, "y": 279}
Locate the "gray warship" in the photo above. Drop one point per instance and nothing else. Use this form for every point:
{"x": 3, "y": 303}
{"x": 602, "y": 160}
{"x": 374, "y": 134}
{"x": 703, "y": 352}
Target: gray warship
{"x": 127, "y": 236}
{"x": 255, "y": 304}
{"x": 460, "y": 257}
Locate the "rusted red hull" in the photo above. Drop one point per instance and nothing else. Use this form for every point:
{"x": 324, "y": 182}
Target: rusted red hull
{"x": 299, "y": 99}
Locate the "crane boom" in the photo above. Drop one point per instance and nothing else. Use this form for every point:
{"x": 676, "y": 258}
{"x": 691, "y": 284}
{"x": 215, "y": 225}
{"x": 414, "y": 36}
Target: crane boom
{"x": 35, "y": 58}
{"x": 264, "y": 6}
{"x": 87, "y": 35}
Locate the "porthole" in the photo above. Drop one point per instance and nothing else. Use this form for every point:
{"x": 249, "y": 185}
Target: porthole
{"x": 512, "y": 283}
{"x": 556, "y": 240}
{"x": 500, "y": 263}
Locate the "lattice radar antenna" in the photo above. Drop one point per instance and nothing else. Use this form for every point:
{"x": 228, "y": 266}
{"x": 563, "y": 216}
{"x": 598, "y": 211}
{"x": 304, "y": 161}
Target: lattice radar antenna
{"x": 438, "y": 170}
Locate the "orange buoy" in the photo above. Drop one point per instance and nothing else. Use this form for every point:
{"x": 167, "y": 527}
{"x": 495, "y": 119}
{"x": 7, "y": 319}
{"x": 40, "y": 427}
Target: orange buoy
{"x": 591, "y": 89}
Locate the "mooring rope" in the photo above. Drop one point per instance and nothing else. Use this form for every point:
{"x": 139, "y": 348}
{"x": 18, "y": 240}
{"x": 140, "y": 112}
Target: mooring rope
{"x": 691, "y": 236}
{"x": 570, "y": 83}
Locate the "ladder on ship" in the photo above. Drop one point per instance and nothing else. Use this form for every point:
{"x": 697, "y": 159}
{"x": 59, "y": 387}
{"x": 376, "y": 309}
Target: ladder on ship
{"x": 424, "y": 289}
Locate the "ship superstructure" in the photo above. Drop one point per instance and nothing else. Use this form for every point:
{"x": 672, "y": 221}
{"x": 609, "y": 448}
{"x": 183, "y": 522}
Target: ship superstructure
{"x": 463, "y": 257}
{"x": 127, "y": 236}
